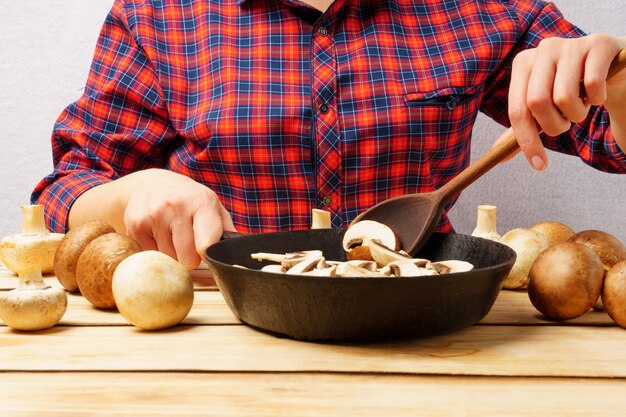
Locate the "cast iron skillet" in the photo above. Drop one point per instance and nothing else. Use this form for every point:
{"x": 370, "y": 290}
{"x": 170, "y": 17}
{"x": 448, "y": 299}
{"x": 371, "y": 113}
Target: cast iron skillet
{"x": 342, "y": 309}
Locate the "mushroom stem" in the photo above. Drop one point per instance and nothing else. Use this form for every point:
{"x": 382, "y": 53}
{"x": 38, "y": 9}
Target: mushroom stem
{"x": 320, "y": 219}
{"x": 33, "y": 222}
{"x": 31, "y": 279}
{"x": 486, "y": 223}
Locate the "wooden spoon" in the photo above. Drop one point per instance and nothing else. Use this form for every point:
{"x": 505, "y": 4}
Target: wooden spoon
{"x": 414, "y": 217}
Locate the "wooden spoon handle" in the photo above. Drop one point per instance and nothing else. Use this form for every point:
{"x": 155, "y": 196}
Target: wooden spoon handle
{"x": 505, "y": 148}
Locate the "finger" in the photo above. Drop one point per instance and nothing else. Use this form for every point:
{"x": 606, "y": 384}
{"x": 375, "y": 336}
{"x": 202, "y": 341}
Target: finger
{"x": 184, "y": 244}
{"x": 146, "y": 242}
{"x": 596, "y": 70}
{"x": 566, "y": 93}
{"x": 539, "y": 97}
{"x": 163, "y": 237}
{"x": 207, "y": 227}
{"x": 521, "y": 118}
{"x": 227, "y": 220}
{"x": 141, "y": 230}
{"x": 500, "y": 139}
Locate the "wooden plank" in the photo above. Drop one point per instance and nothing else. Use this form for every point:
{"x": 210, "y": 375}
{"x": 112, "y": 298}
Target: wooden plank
{"x": 209, "y": 308}
{"x": 511, "y": 308}
{"x": 179, "y": 394}
{"x": 479, "y": 350}
{"x": 202, "y": 279}
{"x": 514, "y": 307}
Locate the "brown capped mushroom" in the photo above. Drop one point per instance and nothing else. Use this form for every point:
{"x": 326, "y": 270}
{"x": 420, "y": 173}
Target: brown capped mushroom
{"x": 70, "y": 248}
{"x": 614, "y": 293}
{"x": 606, "y": 246}
{"x": 555, "y": 232}
{"x": 565, "y": 280}
{"x": 97, "y": 263}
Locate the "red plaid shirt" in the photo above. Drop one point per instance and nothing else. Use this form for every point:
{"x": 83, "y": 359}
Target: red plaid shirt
{"x": 279, "y": 108}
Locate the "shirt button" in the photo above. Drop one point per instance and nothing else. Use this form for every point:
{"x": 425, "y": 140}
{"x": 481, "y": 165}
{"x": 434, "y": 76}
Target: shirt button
{"x": 324, "y": 108}
{"x": 327, "y": 200}
{"x": 322, "y": 31}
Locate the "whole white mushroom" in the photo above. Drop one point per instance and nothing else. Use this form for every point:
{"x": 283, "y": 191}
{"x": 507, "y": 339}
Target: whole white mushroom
{"x": 527, "y": 244}
{"x": 152, "y": 290}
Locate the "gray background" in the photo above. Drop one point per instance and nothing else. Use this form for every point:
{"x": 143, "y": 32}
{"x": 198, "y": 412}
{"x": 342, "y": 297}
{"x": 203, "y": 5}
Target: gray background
{"x": 45, "y": 52}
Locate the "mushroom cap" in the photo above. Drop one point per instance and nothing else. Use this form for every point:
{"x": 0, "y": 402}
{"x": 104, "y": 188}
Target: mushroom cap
{"x": 555, "y": 232}
{"x": 606, "y": 246}
{"x": 152, "y": 290}
{"x": 70, "y": 248}
{"x": 361, "y": 233}
{"x": 565, "y": 280}
{"x": 614, "y": 293}
{"x": 96, "y": 264}
{"x": 22, "y": 251}
{"x": 527, "y": 244}
{"x": 33, "y": 309}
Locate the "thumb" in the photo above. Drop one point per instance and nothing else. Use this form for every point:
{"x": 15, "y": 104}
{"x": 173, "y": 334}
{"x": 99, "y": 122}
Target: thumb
{"x": 207, "y": 228}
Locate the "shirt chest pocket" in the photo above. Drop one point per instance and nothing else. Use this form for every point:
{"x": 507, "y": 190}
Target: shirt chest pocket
{"x": 448, "y": 98}
{"x": 442, "y": 120}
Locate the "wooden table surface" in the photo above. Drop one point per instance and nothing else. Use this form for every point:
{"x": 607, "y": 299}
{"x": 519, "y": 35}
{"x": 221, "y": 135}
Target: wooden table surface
{"x": 512, "y": 363}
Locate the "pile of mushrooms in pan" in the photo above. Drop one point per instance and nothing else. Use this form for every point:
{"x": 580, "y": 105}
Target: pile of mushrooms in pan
{"x": 373, "y": 250}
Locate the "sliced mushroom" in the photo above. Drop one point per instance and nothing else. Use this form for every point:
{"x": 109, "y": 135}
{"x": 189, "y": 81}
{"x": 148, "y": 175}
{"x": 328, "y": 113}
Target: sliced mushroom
{"x": 346, "y": 269}
{"x": 306, "y": 265}
{"x": 323, "y": 272}
{"x": 407, "y": 268}
{"x": 404, "y": 269}
{"x": 360, "y": 253}
{"x": 450, "y": 267}
{"x": 264, "y": 256}
{"x": 361, "y": 233}
{"x": 287, "y": 260}
{"x": 277, "y": 269}
{"x": 383, "y": 255}
{"x": 370, "y": 265}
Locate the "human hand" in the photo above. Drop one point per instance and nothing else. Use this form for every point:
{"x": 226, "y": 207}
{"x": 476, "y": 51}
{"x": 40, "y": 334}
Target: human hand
{"x": 173, "y": 214}
{"x": 545, "y": 88}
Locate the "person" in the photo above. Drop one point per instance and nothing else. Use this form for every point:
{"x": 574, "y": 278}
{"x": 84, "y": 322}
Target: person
{"x": 205, "y": 116}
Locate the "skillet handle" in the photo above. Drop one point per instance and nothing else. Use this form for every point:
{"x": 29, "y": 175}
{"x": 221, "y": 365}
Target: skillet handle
{"x": 228, "y": 234}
